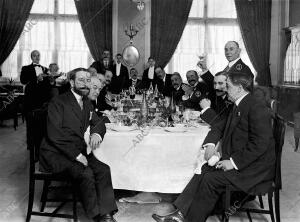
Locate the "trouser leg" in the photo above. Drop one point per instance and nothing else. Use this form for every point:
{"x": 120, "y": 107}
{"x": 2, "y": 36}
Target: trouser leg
{"x": 103, "y": 184}
{"x": 183, "y": 202}
{"x": 213, "y": 184}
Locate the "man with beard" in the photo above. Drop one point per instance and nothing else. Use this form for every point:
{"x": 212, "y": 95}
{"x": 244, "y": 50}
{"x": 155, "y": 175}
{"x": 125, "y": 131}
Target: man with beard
{"x": 195, "y": 91}
{"x": 105, "y": 63}
{"x": 134, "y": 81}
{"x": 162, "y": 81}
{"x": 64, "y": 150}
{"x": 177, "y": 91}
{"x": 104, "y": 98}
{"x": 214, "y": 110}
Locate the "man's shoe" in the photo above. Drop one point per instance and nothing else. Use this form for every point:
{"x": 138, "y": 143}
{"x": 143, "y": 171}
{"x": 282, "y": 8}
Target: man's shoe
{"x": 175, "y": 216}
{"x": 107, "y": 218}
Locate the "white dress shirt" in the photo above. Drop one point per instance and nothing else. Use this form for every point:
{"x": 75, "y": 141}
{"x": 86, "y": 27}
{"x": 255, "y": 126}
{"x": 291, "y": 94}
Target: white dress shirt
{"x": 118, "y": 68}
{"x": 38, "y": 69}
{"x": 151, "y": 72}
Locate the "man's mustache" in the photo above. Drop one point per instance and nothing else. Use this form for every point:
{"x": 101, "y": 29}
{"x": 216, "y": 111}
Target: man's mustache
{"x": 218, "y": 90}
{"x": 84, "y": 88}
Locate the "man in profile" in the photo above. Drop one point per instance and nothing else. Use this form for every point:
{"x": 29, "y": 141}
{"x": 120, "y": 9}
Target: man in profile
{"x": 248, "y": 156}
{"x": 64, "y": 150}
{"x": 218, "y": 108}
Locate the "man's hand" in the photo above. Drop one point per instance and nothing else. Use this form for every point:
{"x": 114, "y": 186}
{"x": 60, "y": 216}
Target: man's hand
{"x": 210, "y": 150}
{"x": 202, "y": 63}
{"x": 225, "y": 165}
{"x": 187, "y": 89}
{"x": 95, "y": 141}
{"x": 205, "y": 103}
{"x": 82, "y": 159}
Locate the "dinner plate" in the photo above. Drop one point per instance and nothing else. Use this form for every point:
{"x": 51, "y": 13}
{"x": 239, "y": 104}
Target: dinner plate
{"x": 175, "y": 129}
{"x": 122, "y": 128}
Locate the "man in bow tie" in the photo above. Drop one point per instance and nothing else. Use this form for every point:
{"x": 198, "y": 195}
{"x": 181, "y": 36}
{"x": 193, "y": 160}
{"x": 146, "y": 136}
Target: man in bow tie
{"x": 37, "y": 85}
{"x": 248, "y": 156}
{"x": 120, "y": 77}
{"x": 148, "y": 74}
{"x": 105, "y": 62}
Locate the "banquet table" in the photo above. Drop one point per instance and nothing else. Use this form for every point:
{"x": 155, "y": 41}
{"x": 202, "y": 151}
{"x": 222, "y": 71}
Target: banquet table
{"x": 152, "y": 160}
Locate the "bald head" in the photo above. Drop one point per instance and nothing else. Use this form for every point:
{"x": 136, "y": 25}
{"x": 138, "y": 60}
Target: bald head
{"x": 35, "y": 56}
{"x": 232, "y": 51}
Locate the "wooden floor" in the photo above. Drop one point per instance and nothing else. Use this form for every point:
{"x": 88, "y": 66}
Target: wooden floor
{"x": 14, "y": 185}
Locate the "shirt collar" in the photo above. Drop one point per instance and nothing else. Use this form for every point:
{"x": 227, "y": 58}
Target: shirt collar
{"x": 230, "y": 64}
{"x": 237, "y": 102}
{"x": 77, "y": 96}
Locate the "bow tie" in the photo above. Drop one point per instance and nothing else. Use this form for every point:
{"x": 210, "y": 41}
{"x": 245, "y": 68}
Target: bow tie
{"x": 36, "y": 65}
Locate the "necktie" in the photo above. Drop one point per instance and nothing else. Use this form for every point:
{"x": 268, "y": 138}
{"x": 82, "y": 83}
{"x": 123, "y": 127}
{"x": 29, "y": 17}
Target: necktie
{"x": 80, "y": 102}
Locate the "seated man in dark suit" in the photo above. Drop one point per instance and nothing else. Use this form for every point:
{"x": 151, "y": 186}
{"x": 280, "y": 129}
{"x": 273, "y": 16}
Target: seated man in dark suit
{"x": 214, "y": 110}
{"x": 134, "y": 81}
{"x": 177, "y": 90}
{"x": 120, "y": 77}
{"x": 248, "y": 156}
{"x": 104, "y": 98}
{"x": 163, "y": 82}
{"x": 64, "y": 150}
{"x": 195, "y": 91}
{"x": 148, "y": 74}
{"x": 105, "y": 63}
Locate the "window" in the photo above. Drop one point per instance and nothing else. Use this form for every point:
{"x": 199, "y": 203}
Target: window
{"x": 52, "y": 28}
{"x": 210, "y": 25}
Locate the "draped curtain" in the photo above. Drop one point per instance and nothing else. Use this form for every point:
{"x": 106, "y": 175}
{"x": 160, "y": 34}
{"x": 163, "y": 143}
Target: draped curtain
{"x": 168, "y": 19}
{"x": 13, "y": 16}
{"x": 95, "y": 17}
{"x": 254, "y": 18}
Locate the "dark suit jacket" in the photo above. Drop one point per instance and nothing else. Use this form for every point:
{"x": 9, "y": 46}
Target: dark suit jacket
{"x": 99, "y": 66}
{"x": 164, "y": 87}
{"x": 66, "y": 125}
{"x": 200, "y": 91}
{"x": 137, "y": 85}
{"x": 101, "y": 101}
{"x": 146, "y": 81}
{"x": 248, "y": 140}
{"x": 219, "y": 110}
{"x": 177, "y": 94}
{"x": 240, "y": 66}
{"x": 119, "y": 82}
{"x": 36, "y": 93}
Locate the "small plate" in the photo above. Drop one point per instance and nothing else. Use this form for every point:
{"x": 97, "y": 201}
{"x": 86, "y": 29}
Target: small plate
{"x": 175, "y": 129}
{"x": 122, "y": 128}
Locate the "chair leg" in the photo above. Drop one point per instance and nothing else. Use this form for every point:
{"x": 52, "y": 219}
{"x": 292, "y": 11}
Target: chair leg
{"x": 277, "y": 205}
{"x": 45, "y": 194}
{"x": 227, "y": 210}
{"x": 270, "y": 200}
{"x": 249, "y": 215}
{"x": 75, "y": 206}
{"x": 30, "y": 199}
{"x": 261, "y": 203}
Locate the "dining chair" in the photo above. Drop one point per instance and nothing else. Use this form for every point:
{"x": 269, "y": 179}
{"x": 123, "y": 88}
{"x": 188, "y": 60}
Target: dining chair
{"x": 270, "y": 188}
{"x": 38, "y": 128}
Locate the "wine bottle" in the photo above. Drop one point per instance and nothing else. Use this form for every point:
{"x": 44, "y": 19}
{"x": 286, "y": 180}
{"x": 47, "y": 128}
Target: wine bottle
{"x": 172, "y": 106}
{"x": 144, "y": 107}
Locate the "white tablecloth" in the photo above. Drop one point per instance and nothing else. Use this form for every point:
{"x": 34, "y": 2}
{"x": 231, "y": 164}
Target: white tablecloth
{"x": 159, "y": 162}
